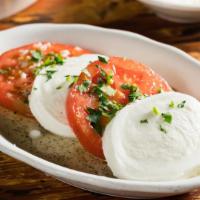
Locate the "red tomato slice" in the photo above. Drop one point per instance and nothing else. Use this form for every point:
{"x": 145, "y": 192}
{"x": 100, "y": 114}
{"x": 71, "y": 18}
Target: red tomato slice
{"x": 16, "y": 72}
{"x": 124, "y": 72}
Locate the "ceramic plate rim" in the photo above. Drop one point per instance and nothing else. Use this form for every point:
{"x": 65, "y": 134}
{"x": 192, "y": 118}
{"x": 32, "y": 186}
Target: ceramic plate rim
{"x": 158, "y": 187}
{"x": 173, "y": 6}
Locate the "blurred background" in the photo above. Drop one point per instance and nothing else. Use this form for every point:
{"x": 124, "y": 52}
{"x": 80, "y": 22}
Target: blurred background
{"x": 81, "y": 11}
{"x": 121, "y": 14}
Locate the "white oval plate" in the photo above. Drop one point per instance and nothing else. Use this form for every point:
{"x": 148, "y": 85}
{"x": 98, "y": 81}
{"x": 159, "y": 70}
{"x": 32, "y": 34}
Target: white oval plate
{"x": 187, "y": 12}
{"x": 181, "y": 70}
{"x": 11, "y": 7}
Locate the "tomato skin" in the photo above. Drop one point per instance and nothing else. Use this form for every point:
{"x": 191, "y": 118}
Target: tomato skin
{"x": 84, "y": 130}
{"x": 125, "y": 71}
{"x": 14, "y": 88}
{"x": 141, "y": 75}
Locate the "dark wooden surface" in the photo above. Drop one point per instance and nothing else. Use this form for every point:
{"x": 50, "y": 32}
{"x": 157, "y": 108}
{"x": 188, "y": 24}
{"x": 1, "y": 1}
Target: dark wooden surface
{"x": 19, "y": 181}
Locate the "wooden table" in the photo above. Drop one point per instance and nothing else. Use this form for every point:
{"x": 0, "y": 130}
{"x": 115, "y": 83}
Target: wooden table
{"x": 19, "y": 181}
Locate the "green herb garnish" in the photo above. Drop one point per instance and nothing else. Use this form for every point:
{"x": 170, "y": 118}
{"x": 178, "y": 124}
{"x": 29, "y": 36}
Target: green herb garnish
{"x": 182, "y": 104}
{"x": 155, "y": 111}
{"x": 102, "y": 59}
{"x": 171, "y": 104}
{"x": 134, "y": 92}
{"x": 36, "y": 55}
{"x": 107, "y": 108}
{"x": 49, "y": 60}
{"x": 162, "y": 129}
{"x": 49, "y": 74}
{"x": 109, "y": 79}
{"x": 94, "y": 116}
{"x": 167, "y": 117}
{"x": 59, "y": 59}
{"x": 134, "y": 96}
{"x": 143, "y": 121}
{"x": 102, "y": 72}
{"x": 84, "y": 86}
{"x": 104, "y": 77}
{"x": 71, "y": 79}
{"x": 59, "y": 87}
{"x": 127, "y": 86}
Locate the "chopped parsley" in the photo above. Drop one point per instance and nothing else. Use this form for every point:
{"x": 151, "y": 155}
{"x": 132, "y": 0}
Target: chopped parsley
{"x": 4, "y": 71}
{"x": 71, "y": 79}
{"x": 104, "y": 77}
{"x": 49, "y": 74}
{"x": 134, "y": 92}
{"x": 102, "y": 72}
{"x": 94, "y": 116}
{"x": 109, "y": 79}
{"x": 144, "y": 121}
{"x": 171, "y": 104}
{"x": 167, "y": 117}
{"x": 182, "y": 104}
{"x": 59, "y": 87}
{"x": 102, "y": 59}
{"x": 134, "y": 96}
{"x": 49, "y": 60}
{"x": 84, "y": 86}
{"x": 59, "y": 59}
{"x": 53, "y": 59}
{"x": 102, "y": 89}
{"x": 162, "y": 129}
{"x": 127, "y": 86}
{"x": 106, "y": 108}
{"x": 36, "y": 55}
{"x": 155, "y": 111}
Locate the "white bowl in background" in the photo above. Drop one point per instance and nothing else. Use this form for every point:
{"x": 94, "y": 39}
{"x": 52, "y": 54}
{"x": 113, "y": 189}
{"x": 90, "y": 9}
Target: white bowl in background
{"x": 180, "y": 70}
{"x": 173, "y": 11}
{"x": 11, "y": 7}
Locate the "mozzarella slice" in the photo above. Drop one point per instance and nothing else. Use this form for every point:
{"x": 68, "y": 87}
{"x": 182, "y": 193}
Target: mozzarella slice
{"x": 156, "y": 150}
{"x": 47, "y": 98}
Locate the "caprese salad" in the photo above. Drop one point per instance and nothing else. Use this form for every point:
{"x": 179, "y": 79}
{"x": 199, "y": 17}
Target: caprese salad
{"x": 119, "y": 109}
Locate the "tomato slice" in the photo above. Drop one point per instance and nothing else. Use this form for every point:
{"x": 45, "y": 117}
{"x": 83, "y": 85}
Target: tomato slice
{"x": 124, "y": 72}
{"x": 16, "y": 71}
